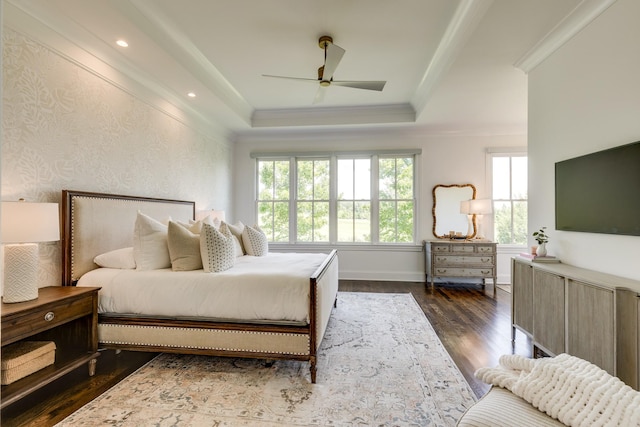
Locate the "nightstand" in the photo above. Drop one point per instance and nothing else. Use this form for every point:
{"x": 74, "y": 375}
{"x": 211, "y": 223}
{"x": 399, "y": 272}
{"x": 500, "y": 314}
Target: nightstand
{"x": 67, "y": 315}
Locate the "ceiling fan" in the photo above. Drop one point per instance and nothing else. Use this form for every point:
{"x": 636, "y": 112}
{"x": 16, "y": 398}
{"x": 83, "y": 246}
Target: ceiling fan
{"x": 332, "y": 56}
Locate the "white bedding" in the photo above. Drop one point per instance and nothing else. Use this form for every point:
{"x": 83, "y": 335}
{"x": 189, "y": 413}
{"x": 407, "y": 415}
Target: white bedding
{"x": 274, "y": 287}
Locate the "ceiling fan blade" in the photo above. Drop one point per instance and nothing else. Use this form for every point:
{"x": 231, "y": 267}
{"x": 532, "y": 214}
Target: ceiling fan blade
{"x": 368, "y": 85}
{"x": 333, "y": 56}
{"x": 319, "y": 94}
{"x": 291, "y": 78}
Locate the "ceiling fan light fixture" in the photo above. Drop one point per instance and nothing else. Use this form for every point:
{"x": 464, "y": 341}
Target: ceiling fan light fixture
{"x": 332, "y": 56}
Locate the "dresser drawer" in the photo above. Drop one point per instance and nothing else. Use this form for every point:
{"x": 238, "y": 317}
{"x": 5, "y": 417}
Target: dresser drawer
{"x": 45, "y": 317}
{"x": 463, "y": 248}
{"x": 463, "y": 272}
{"x": 463, "y": 261}
{"x": 438, "y": 248}
{"x": 486, "y": 249}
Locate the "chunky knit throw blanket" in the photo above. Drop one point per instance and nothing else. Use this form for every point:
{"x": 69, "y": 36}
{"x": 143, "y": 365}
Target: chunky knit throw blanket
{"x": 569, "y": 389}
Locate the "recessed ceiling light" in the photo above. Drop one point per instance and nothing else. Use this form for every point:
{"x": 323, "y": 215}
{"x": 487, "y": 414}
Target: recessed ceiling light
{"x": 191, "y": 95}
{"x": 122, "y": 43}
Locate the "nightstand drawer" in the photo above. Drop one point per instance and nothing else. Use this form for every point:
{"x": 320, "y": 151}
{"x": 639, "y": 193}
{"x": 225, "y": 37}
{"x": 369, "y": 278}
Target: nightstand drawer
{"x": 46, "y": 317}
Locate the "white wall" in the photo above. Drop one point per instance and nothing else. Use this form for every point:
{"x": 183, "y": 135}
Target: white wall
{"x": 67, "y": 127}
{"x": 582, "y": 99}
{"x": 445, "y": 159}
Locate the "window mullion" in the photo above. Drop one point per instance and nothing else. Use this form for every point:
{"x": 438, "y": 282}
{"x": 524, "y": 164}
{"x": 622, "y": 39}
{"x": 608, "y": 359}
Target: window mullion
{"x": 333, "y": 197}
{"x": 375, "y": 200}
{"x": 293, "y": 196}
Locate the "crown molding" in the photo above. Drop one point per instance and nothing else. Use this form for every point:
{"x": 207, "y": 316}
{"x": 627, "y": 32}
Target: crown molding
{"x": 579, "y": 18}
{"x": 464, "y": 22}
{"x": 175, "y": 42}
{"x": 80, "y": 48}
{"x": 396, "y": 113}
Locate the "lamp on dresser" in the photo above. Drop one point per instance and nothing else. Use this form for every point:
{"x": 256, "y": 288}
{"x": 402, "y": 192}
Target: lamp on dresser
{"x": 479, "y": 208}
{"x": 24, "y": 225}
{"x": 465, "y": 208}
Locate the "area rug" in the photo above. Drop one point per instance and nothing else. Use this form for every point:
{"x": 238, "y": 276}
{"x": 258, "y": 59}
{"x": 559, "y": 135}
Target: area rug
{"x": 380, "y": 364}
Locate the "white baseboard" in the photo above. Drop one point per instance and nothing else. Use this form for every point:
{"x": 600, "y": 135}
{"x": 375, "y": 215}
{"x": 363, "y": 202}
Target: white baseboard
{"x": 385, "y": 276}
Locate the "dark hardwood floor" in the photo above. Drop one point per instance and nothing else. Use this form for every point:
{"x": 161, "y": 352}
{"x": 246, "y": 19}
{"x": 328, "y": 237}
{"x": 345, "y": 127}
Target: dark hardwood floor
{"x": 474, "y": 327}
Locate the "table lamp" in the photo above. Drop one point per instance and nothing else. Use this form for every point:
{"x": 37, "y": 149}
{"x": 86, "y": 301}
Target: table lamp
{"x": 480, "y": 207}
{"x": 23, "y": 226}
{"x": 465, "y": 208}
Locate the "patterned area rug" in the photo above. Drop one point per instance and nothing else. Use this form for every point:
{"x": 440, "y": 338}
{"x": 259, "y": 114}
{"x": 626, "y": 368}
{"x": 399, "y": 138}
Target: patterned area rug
{"x": 380, "y": 363}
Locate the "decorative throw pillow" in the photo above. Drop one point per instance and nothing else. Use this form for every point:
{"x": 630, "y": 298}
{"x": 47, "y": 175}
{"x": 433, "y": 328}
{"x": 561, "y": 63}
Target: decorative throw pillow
{"x": 217, "y": 248}
{"x": 237, "y": 247}
{"x": 236, "y": 230}
{"x": 184, "y": 248}
{"x": 196, "y": 226}
{"x": 255, "y": 241}
{"x": 119, "y": 258}
{"x": 150, "y": 249}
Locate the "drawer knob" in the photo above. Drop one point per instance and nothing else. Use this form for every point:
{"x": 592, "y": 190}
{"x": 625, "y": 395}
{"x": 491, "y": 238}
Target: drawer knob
{"x": 49, "y": 316}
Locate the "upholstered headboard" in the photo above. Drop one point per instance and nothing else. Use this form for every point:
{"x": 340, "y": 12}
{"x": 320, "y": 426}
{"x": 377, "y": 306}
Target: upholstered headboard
{"x": 95, "y": 223}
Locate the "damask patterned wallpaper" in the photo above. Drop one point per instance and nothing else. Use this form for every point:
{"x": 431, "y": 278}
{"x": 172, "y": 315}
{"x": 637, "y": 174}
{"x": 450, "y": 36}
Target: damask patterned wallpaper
{"x": 64, "y": 127}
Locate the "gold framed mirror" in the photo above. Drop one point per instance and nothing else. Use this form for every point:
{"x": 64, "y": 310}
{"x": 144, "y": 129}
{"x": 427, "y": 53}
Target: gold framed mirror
{"x": 446, "y": 210}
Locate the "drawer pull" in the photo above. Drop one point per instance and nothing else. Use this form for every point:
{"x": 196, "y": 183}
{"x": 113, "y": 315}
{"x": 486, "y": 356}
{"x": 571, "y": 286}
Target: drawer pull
{"x": 485, "y": 260}
{"x": 485, "y": 272}
{"x": 441, "y": 271}
{"x": 49, "y": 316}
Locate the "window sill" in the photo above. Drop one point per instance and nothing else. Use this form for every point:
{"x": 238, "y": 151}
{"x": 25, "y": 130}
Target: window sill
{"x": 323, "y": 247}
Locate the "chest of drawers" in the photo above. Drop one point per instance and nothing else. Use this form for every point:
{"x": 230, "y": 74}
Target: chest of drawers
{"x": 464, "y": 258}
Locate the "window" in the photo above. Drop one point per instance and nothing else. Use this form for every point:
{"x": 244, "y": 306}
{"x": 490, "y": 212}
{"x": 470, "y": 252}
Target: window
{"x": 312, "y": 201}
{"x": 509, "y": 184}
{"x": 396, "y": 199}
{"x": 354, "y": 200}
{"x": 363, "y": 199}
{"x": 274, "y": 199}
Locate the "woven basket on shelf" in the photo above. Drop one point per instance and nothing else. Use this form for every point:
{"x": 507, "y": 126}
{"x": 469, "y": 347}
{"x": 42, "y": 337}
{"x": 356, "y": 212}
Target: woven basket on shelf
{"x": 26, "y": 357}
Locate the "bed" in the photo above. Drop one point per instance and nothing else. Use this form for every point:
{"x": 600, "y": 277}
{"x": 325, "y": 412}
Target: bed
{"x": 289, "y": 326}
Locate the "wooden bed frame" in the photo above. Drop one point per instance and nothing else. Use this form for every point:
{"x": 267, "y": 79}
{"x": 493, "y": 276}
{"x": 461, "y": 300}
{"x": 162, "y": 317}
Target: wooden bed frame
{"x": 95, "y": 223}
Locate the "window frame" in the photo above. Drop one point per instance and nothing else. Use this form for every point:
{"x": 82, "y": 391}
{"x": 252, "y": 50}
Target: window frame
{"x": 509, "y": 152}
{"x": 375, "y": 244}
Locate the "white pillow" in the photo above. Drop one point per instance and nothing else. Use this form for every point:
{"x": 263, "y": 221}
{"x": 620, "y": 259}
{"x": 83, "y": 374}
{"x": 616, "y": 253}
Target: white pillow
{"x": 236, "y": 230}
{"x": 119, "y": 258}
{"x": 237, "y": 247}
{"x": 217, "y": 248}
{"x": 196, "y": 226}
{"x": 255, "y": 241}
{"x": 150, "y": 249}
{"x": 184, "y": 248}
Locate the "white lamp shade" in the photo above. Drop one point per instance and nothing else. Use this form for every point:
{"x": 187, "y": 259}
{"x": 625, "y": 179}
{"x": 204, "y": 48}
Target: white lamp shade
{"x": 480, "y": 206}
{"x": 214, "y": 214}
{"x": 217, "y": 215}
{"x": 465, "y": 207}
{"x": 24, "y": 222}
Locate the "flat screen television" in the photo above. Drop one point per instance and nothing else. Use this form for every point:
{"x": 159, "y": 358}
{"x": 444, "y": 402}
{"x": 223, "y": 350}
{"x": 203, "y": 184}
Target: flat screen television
{"x": 600, "y": 192}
